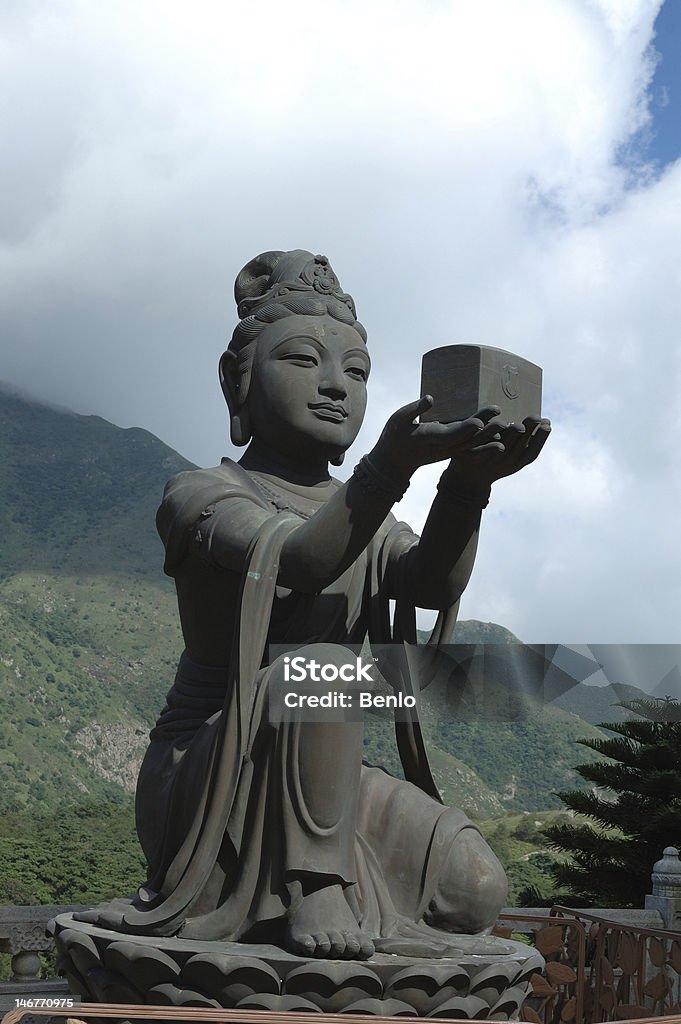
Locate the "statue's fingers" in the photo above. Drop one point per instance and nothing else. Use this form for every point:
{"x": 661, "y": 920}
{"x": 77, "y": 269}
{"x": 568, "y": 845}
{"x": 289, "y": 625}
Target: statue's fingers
{"x": 486, "y": 449}
{"x": 515, "y": 439}
{"x": 492, "y": 431}
{"x": 487, "y": 412}
{"x": 408, "y": 413}
{"x": 533, "y": 423}
{"x": 536, "y": 442}
{"x": 463, "y": 430}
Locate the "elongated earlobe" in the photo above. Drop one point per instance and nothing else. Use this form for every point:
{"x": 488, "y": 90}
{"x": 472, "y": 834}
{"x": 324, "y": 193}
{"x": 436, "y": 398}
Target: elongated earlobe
{"x": 338, "y": 460}
{"x": 234, "y": 390}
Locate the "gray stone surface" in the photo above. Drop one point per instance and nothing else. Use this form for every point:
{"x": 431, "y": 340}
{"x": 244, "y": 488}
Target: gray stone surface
{"x": 465, "y": 378}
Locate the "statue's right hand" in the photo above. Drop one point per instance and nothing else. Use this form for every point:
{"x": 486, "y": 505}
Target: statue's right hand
{"x": 405, "y": 445}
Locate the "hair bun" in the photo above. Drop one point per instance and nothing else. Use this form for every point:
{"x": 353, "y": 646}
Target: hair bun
{"x": 254, "y": 280}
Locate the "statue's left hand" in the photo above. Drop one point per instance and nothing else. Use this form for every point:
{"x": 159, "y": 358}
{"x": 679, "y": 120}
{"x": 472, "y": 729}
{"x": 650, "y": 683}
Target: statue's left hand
{"x": 520, "y": 445}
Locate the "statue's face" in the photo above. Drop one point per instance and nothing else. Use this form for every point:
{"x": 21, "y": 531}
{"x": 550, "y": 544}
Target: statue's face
{"x": 307, "y": 393}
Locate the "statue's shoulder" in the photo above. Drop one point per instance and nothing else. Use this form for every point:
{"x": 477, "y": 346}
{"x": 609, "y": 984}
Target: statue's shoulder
{"x": 226, "y": 478}
{"x": 188, "y": 495}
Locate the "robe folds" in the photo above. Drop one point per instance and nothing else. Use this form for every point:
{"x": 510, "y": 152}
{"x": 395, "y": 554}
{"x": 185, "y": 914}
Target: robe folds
{"x": 220, "y": 815}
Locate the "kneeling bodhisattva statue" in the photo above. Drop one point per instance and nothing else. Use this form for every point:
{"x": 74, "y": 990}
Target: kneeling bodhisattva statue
{"x": 275, "y": 832}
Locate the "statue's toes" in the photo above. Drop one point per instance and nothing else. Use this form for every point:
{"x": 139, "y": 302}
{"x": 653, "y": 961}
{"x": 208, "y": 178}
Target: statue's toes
{"x": 337, "y": 944}
{"x": 352, "y": 944}
{"x": 304, "y": 944}
{"x": 322, "y": 944}
{"x": 366, "y": 947}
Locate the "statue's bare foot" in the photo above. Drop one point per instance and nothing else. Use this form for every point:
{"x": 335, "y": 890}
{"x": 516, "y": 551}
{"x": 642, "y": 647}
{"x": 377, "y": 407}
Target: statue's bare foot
{"x": 322, "y": 924}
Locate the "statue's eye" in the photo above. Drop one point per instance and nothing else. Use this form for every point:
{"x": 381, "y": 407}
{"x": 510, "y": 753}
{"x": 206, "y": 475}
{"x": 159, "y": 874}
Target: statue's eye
{"x": 356, "y": 372}
{"x": 300, "y": 358}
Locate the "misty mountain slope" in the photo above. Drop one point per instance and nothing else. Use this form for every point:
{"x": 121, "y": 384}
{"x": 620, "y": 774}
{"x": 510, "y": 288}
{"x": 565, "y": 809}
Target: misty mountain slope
{"x": 78, "y": 493}
{"x": 89, "y": 636}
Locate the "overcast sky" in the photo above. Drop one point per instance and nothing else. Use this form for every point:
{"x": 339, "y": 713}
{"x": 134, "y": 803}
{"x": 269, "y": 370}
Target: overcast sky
{"x": 481, "y": 172}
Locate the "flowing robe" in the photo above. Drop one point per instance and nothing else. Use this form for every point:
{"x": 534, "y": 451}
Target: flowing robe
{"x": 220, "y": 813}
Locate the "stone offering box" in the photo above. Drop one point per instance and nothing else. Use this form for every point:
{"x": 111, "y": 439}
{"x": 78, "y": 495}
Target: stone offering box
{"x": 464, "y": 378}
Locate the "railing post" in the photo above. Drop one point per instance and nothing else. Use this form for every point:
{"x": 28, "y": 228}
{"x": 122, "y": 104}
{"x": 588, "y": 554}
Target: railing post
{"x": 666, "y": 897}
{"x": 25, "y": 967}
{"x": 22, "y": 935}
{"x": 666, "y": 894}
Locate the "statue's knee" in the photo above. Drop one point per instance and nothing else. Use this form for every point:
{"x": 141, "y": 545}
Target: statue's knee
{"x": 471, "y": 888}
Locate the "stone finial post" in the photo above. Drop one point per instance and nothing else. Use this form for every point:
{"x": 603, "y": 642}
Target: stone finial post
{"x": 666, "y": 894}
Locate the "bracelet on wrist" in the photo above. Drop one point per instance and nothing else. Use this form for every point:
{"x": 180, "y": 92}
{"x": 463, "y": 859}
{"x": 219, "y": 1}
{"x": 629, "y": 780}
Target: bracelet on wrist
{"x": 377, "y": 482}
{"x": 454, "y": 492}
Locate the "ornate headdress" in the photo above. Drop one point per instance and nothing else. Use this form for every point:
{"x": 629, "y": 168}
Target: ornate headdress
{"x": 279, "y": 284}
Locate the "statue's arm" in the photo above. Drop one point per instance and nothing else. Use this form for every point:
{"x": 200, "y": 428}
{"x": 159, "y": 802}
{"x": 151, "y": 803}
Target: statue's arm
{"x": 315, "y": 553}
{"x": 439, "y": 566}
{"x": 320, "y": 549}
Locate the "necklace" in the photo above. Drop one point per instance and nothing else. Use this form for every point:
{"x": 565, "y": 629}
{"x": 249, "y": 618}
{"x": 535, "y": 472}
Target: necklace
{"x": 275, "y": 498}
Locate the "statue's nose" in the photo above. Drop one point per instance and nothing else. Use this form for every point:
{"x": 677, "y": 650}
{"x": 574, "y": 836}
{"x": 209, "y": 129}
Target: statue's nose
{"x": 332, "y": 381}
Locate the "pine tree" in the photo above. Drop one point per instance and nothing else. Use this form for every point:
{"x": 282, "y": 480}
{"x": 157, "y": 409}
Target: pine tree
{"x": 635, "y": 806}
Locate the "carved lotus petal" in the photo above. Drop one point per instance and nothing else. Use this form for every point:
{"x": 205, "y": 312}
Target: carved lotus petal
{"x": 490, "y": 982}
{"x": 144, "y": 965}
{"x": 533, "y": 965}
{"x": 268, "y": 1001}
{"x": 77, "y": 983}
{"x": 381, "y": 1008}
{"x": 230, "y": 978}
{"x": 330, "y": 985}
{"x": 508, "y": 1003}
{"x": 431, "y": 978}
{"x": 428, "y": 987}
{"x": 80, "y": 947}
{"x": 174, "y": 995}
{"x": 466, "y": 1008}
{"x": 111, "y": 987}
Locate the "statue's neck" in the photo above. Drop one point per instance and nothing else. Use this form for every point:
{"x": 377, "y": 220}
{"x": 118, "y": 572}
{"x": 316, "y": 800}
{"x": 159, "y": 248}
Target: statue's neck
{"x": 259, "y": 458}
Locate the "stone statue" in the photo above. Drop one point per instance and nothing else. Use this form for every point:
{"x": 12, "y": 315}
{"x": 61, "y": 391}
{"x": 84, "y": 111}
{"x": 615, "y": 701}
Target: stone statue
{"x": 277, "y": 833}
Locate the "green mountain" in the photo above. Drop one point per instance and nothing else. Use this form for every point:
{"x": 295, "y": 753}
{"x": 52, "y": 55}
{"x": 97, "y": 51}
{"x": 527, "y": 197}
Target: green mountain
{"x": 598, "y": 704}
{"x": 88, "y": 624}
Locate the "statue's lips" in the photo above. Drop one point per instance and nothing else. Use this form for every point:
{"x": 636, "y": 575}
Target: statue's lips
{"x": 334, "y": 413}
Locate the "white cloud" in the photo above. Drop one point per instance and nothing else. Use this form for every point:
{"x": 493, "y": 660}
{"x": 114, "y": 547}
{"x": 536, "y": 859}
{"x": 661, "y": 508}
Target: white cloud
{"x": 457, "y": 162}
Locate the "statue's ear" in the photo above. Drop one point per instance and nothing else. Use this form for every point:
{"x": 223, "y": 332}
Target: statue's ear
{"x": 234, "y": 384}
{"x": 338, "y": 460}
